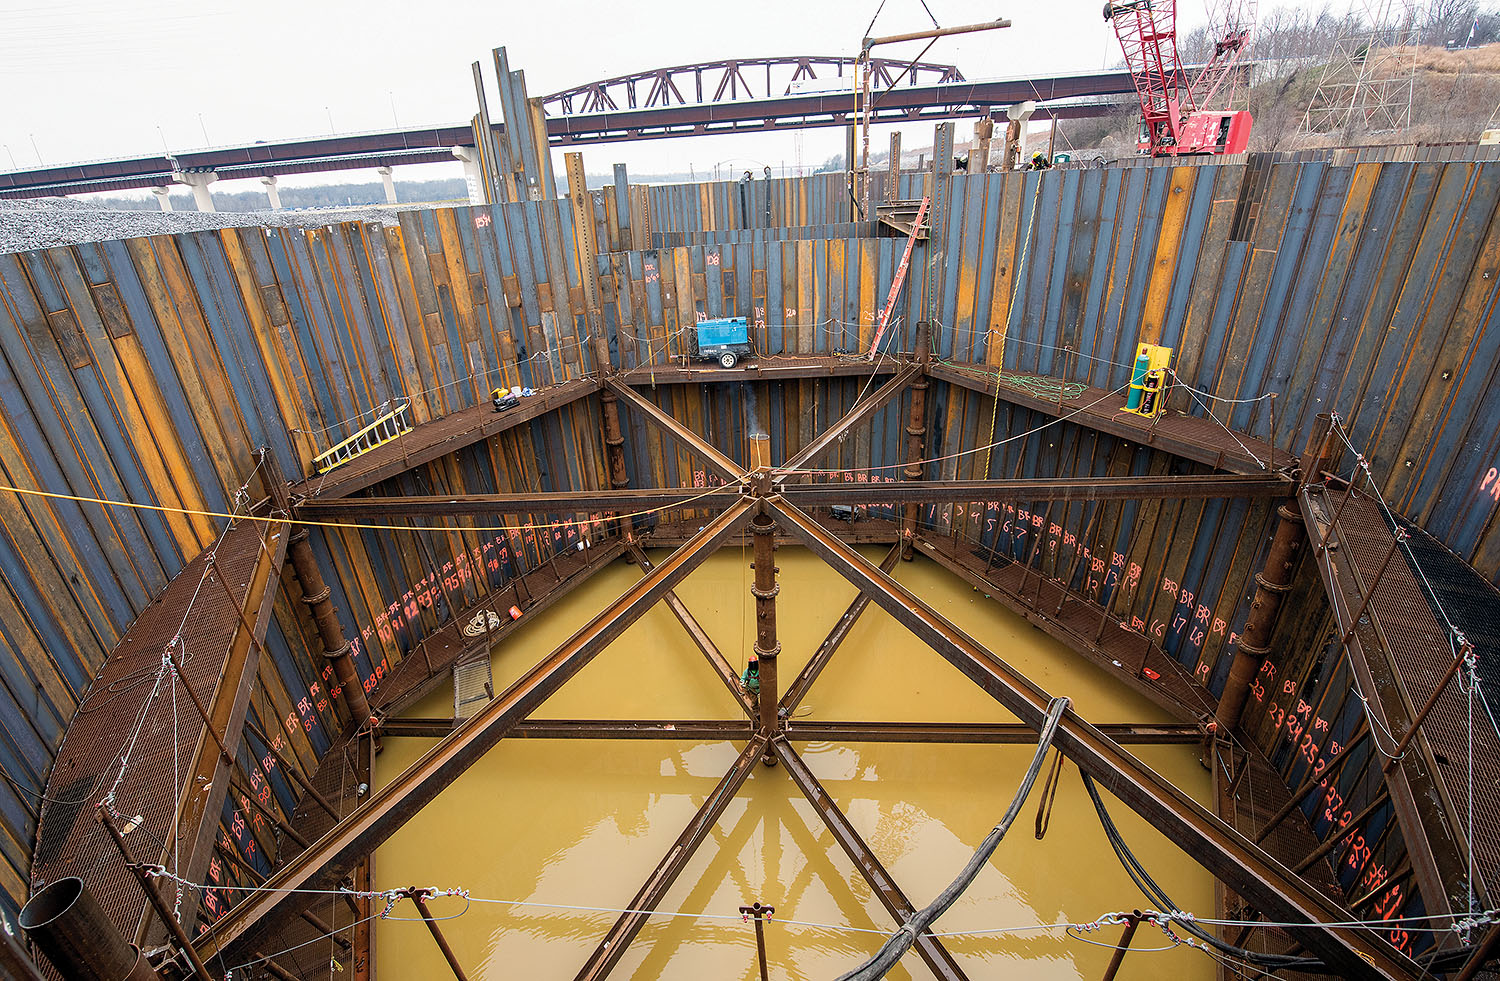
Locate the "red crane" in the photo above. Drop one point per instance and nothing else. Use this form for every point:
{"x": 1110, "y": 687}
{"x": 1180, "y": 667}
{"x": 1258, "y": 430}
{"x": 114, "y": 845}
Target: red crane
{"x": 1172, "y": 124}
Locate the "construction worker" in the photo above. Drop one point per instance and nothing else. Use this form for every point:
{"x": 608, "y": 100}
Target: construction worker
{"x": 750, "y": 680}
{"x": 1039, "y": 161}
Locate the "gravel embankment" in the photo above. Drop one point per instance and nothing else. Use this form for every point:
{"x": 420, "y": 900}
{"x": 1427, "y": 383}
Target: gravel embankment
{"x": 41, "y": 223}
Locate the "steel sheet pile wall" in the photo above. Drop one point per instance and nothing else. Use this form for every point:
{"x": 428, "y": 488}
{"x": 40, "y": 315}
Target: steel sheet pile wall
{"x": 149, "y": 370}
{"x": 820, "y": 199}
{"x": 1368, "y": 290}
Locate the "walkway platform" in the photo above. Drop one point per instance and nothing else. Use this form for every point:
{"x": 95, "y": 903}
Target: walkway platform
{"x": 220, "y": 609}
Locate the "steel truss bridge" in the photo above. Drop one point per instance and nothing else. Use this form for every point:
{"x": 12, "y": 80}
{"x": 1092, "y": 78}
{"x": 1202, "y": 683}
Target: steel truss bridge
{"x": 735, "y": 96}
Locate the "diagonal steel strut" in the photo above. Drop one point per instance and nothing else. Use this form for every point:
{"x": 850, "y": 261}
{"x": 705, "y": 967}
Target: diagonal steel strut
{"x": 700, "y": 638}
{"x": 715, "y": 458}
{"x": 331, "y": 857}
{"x": 1244, "y": 867}
{"x": 612, "y": 947}
{"x": 815, "y": 664}
{"x": 836, "y": 432}
{"x": 931, "y": 950}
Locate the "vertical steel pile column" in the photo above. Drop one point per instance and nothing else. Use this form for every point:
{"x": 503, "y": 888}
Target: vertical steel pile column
{"x": 315, "y": 593}
{"x": 766, "y": 646}
{"x": 609, "y": 404}
{"x": 340, "y": 652}
{"x": 916, "y": 430}
{"x": 1271, "y": 583}
{"x": 893, "y": 185}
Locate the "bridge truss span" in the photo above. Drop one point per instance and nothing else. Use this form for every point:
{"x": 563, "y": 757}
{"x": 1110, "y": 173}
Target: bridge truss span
{"x": 739, "y": 80}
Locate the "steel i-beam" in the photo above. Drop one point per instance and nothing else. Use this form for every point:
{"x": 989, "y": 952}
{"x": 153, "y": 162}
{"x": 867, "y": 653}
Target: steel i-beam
{"x": 815, "y": 664}
{"x": 713, "y": 457}
{"x": 1244, "y": 867}
{"x": 423, "y": 506}
{"x": 612, "y": 947}
{"x": 835, "y": 433}
{"x": 929, "y": 948}
{"x": 700, "y": 639}
{"x": 334, "y": 855}
{"x": 766, "y": 645}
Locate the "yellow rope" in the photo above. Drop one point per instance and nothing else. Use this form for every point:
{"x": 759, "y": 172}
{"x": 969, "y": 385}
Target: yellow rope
{"x": 356, "y": 525}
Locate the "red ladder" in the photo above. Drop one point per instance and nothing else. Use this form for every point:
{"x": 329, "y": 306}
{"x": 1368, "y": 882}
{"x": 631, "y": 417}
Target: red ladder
{"x": 890, "y": 301}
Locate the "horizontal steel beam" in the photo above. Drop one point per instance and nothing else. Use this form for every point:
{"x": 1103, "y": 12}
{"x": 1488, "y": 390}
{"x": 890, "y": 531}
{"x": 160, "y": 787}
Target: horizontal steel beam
{"x": 1186, "y": 436}
{"x": 1245, "y": 868}
{"x": 691, "y": 729}
{"x": 438, "y": 438}
{"x": 1040, "y": 489}
{"x": 799, "y": 731}
{"x": 805, "y": 495}
{"x": 715, "y": 458}
{"x": 543, "y": 502}
{"x": 1000, "y": 733}
{"x": 331, "y": 857}
{"x": 783, "y": 368}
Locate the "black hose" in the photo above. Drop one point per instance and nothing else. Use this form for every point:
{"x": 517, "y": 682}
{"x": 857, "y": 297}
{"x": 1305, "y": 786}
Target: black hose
{"x": 900, "y": 942}
{"x": 1157, "y": 895}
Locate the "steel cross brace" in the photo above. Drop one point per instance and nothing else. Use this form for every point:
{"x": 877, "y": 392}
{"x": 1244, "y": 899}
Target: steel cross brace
{"x": 862, "y": 411}
{"x": 612, "y": 947}
{"x": 330, "y": 858}
{"x": 815, "y": 664}
{"x": 1241, "y": 865}
{"x": 701, "y": 640}
{"x": 716, "y": 459}
{"x": 929, "y": 948}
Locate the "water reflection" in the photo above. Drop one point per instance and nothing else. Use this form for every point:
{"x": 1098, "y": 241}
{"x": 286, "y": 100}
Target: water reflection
{"x": 583, "y": 823}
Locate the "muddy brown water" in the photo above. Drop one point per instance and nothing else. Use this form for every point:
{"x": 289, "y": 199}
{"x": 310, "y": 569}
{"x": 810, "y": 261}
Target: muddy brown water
{"x": 545, "y": 827}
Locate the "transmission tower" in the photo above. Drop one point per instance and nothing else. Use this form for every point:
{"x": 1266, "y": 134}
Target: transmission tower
{"x": 1224, "y": 82}
{"x": 1369, "y": 81}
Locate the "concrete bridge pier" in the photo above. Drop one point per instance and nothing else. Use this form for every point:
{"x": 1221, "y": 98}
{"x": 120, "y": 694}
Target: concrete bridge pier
{"x": 272, "y": 194}
{"x": 163, "y": 197}
{"x": 390, "y": 184}
{"x": 469, "y": 157}
{"x": 198, "y": 180}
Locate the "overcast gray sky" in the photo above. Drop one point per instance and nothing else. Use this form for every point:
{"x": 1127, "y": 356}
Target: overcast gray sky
{"x": 91, "y": 79}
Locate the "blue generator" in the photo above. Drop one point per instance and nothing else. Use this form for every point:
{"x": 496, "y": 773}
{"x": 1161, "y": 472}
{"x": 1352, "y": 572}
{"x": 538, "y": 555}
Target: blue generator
{"x": 724, "y": 340}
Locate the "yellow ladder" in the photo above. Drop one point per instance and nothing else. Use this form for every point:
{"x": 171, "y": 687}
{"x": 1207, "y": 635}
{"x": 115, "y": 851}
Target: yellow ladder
{"x": 377, "y": 433}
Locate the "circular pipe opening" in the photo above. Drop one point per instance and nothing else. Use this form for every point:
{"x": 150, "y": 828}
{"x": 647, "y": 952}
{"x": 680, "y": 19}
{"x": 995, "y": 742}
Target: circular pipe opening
{"x": 50, "y": 903}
